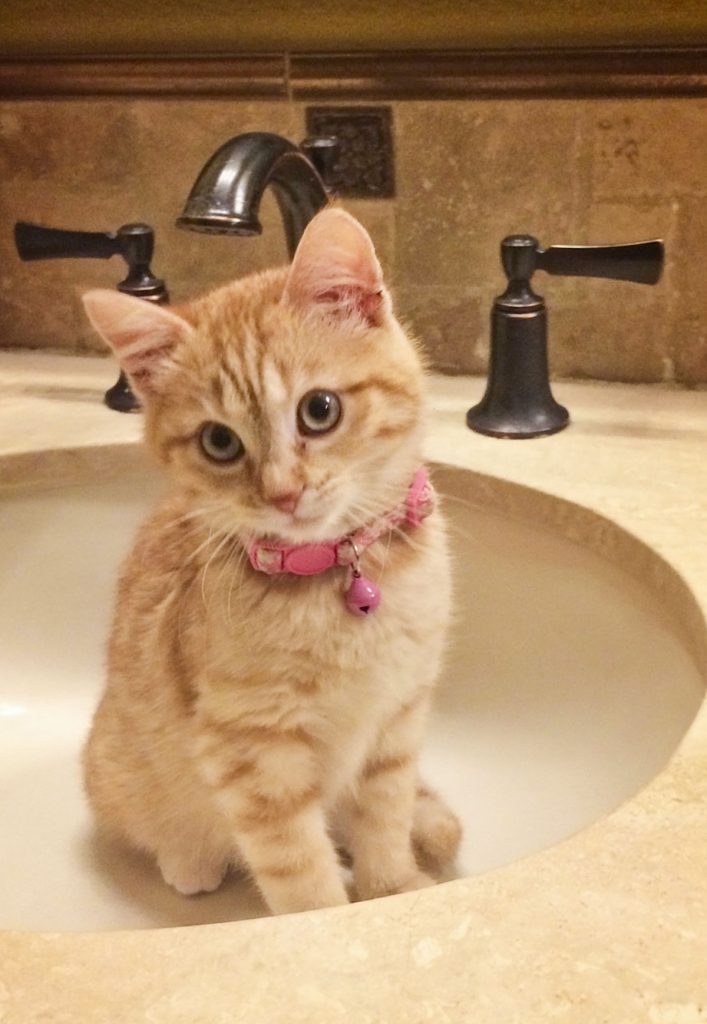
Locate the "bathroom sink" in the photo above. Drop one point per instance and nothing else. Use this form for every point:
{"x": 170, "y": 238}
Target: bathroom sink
{"x": 567, "y": 688}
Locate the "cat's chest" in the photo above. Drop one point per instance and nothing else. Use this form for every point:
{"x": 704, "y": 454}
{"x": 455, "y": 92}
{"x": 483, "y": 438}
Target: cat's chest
{"x": 302, "y": 620}
{"x": 303, "y": 626}
{"x": 291, "y": 652}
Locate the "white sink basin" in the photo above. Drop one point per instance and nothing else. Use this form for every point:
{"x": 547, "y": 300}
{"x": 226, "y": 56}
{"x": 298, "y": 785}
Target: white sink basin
{"x": 566, "y": 690}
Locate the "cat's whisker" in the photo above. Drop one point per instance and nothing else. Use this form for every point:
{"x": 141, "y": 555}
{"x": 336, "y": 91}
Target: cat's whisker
{"x": 405, "y": 536}
{"x": 201, "y": 547}
{"x": 203, "y": 576}
{"x": 194, "y": 514}
{"x": 194, "y": 554}
{"x": 230, "y": 562}
{"x": 464, "y": 531}
{"x": 465, "y": 534}
{"x": 212, "y": 557}
{"x": 240, "y": 570}
{"x": 388, "y": 542}
{"x": 467, "y": 503}
{"x": 225, "y": 557}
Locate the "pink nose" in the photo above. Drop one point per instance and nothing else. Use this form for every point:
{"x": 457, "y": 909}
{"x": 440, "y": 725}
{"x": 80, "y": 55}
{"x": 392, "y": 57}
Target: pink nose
{"x": 286, "y": 502}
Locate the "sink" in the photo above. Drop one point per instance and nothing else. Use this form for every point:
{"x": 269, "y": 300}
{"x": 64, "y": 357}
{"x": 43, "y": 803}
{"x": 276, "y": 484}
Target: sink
{"x": 567, "y": 688}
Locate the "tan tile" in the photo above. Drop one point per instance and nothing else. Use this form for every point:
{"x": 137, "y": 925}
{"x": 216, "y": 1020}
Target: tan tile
{"x": 39, "y": 307}
{"x": 690, "y": 312}
{"x": 471, "y": 172}
{"x": 614, "y": 332}
{"x": 654, "y": 147}
{"x": 450, "y": 326}
{"x": 85, "y": 145}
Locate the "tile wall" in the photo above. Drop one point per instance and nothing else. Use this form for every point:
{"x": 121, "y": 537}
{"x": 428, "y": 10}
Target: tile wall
{"x": 468, "y": 172}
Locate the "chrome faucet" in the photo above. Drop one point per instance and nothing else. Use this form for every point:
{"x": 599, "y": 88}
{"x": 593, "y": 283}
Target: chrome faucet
{"x": 225, "y": 198}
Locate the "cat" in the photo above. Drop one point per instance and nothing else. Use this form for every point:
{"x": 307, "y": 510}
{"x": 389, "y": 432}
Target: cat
{"x": 251, "y": 720}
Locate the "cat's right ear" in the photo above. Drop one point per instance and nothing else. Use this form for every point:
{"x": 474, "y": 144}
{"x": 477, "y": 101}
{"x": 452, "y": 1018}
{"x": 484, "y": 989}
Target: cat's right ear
{"x": 142, "y": 334}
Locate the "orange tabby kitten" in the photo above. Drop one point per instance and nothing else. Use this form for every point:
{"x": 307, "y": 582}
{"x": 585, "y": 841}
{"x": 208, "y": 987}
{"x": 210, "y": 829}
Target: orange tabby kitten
{"x": 252, "y": 720}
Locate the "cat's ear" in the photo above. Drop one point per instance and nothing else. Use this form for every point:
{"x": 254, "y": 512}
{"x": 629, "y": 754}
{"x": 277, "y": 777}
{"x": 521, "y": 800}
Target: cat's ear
{"x": 336, "y": 268}
{"x": 142, "y": 334}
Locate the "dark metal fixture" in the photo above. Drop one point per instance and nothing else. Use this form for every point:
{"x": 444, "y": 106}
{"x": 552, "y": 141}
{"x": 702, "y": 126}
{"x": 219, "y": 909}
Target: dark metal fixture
{"x": 225, "y": 198}
{"x": 134, "y": 242}
{"x": 518, "y": 401}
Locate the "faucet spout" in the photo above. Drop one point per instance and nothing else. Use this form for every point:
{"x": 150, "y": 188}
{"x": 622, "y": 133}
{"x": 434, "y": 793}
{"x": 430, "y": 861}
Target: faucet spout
{"x": 225, "y": 198}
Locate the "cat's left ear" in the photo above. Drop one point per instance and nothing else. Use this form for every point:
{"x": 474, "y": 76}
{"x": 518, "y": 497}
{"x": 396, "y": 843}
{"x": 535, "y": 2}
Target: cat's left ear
{"x": 336, "y": 268}
{"x": 142, "y": 334}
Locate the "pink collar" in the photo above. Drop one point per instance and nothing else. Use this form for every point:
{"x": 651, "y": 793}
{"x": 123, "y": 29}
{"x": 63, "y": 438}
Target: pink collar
{"x": 273, "y": 557}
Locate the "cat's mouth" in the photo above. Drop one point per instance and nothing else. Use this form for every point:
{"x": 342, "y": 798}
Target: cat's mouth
{"x": 300, "y": 525}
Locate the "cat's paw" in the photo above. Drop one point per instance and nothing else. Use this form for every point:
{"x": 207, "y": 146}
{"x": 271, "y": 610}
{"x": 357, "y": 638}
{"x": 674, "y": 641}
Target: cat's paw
{"x": 375, "y": 888}
{"x": 419, "y": 880}
{"x": 436, "y": 831}
{"x": 295, "y": 899}
{"x": 191, "y": 877}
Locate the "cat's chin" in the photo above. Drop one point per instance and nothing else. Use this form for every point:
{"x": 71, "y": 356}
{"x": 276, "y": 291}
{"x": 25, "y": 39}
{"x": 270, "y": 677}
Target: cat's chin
{"x": 300, "y": 528}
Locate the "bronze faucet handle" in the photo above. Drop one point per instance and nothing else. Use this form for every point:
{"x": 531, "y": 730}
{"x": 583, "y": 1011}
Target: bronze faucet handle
{"x": 35, "y": 242}
{"x": 134, "y": 242}
{"x": 518, "y": 401}
{"x": 639, "y": 262}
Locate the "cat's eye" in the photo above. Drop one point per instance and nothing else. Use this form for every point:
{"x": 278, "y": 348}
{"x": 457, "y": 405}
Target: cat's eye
{"x": 318, "y": 412}
{"x": 220, "y": 443}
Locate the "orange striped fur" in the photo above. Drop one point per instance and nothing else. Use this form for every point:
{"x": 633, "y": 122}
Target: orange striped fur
{"x": 251, "y": 721}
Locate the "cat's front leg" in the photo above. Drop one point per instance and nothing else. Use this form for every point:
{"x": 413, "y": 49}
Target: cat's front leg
{"x": 266, "y": 784}
{"x": 379, "y": 815}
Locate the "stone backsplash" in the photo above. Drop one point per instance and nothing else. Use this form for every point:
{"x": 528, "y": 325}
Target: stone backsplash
{"x": 468, "y": 172}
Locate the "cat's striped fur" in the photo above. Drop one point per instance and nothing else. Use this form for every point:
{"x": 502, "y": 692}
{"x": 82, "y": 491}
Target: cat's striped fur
{"x": 252, "y": 720}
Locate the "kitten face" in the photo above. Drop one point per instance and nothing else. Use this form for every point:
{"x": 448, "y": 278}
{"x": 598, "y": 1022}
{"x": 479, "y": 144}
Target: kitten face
{"x": 298, "y": 425}
{"x": 289, "y": 403}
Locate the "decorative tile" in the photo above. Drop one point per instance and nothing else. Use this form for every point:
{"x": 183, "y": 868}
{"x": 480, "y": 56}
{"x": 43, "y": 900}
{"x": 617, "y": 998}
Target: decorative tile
{"x": 363, "y": 168}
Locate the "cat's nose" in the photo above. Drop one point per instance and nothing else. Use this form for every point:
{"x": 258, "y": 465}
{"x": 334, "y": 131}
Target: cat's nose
{"x": 287, "y": 501}
{"x": 280, "y": 486}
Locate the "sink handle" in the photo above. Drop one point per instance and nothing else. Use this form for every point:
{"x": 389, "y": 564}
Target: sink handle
{"x": 640, "y": 262}
{"x": 35, "y": 242}
{"x": 134, "y": 242}
{"x": 518, "y": 401}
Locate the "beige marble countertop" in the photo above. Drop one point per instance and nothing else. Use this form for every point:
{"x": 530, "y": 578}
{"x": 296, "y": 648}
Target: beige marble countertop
{"x": 608, "y": 926}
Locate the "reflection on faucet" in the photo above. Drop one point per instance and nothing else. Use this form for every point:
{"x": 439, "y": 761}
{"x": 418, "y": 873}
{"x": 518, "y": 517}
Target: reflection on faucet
{"x": 226, "y": 196}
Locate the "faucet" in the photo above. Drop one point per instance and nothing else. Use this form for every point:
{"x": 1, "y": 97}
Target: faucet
{"x": 225, "y": 198}
{"x": 518, "y": 401}
{"x": 134, "y": 242}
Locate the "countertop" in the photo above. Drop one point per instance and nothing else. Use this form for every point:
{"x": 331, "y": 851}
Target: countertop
{"x": 610, "y": 925}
